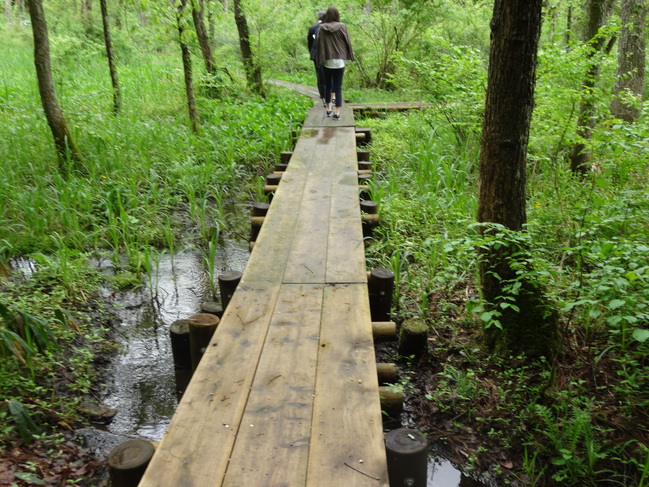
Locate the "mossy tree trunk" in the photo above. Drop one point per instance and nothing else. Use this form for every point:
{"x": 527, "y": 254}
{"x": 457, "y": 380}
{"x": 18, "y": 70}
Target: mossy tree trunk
{"x": 198, "y": 9}
{"x": 65, "y": 147}
{"x": 527, "y": 322}
{"x": 187, "y": 68}
{"x": 117, "y": 97}
{"x": 250, "y": 65}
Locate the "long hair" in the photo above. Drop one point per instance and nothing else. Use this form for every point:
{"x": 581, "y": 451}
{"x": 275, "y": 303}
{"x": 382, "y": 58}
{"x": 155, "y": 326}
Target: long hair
{"x": 332, "y": 15}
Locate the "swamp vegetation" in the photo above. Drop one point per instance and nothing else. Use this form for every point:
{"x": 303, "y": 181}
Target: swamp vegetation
{"x": 149, "y": 183}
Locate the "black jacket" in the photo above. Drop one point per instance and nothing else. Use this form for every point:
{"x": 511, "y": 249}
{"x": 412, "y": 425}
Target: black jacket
{"x": 310, "y": 39}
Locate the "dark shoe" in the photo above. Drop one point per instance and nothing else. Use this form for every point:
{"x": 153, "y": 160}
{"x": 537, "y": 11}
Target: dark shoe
{"x": 336, "y": 116}
{"x": 329, "y": 113}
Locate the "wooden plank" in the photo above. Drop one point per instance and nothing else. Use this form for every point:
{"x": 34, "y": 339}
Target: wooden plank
{"x": 195, "y": 449}
{"x": 347, "y": 447}
{"x": 317, "y": 117}
{"x": 345, "y": 248}
{"x": 272, "y": 445}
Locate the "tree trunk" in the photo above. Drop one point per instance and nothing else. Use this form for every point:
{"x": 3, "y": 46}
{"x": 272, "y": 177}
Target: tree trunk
{"x": 10, "y": 21}
{"x": 65, "y": 148}
{"x": 86, "y": 17}
{"x": 580, "y": 157}
{"x": 531, "y": 325}
{"x": 117, "y": 98}
{"x": 631, "y": 59}
{"x": 198, "y": 10}
{"x": 187, "y": 68}
{"x": 252, "y": 69}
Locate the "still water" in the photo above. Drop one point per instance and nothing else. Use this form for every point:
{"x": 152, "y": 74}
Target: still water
{"x": 140, "y": 382}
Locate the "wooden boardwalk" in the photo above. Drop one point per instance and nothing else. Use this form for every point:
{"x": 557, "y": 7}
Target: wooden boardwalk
{"x": 286, "y": 394}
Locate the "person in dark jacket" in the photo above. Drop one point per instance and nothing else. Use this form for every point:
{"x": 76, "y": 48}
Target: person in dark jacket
{"x": 333, "y": 50}
{"x": 310, "y": 40}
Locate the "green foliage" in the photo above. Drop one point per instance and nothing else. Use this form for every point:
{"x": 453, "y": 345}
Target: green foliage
{"x": 25, "y": 425}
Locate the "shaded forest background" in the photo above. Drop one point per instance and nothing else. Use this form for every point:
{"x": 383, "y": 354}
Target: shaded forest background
{"x": 164, "y": 131}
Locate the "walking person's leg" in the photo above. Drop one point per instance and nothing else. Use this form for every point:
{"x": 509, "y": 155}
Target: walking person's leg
{"x": 328, "y": 80}
{"x": 337, "y": 81}
{"x": 319, "y": 73}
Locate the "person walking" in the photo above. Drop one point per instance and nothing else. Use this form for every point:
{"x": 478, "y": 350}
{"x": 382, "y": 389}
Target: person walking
{"x": 333, "y": 50}
{"x": 310, "y": 40}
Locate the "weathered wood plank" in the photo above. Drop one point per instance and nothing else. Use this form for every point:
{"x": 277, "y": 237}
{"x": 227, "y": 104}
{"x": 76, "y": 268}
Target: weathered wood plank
{"x": 347, "y": 438}
{"x": 272, "y": 446}
{"x": 195, "y": 449}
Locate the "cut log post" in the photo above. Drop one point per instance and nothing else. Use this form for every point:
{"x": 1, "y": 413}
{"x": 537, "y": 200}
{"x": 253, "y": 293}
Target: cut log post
{"x": 201, "y": 329}
{"x": 281, "y": 167}
{"x": 256, "y": 223}
{"x": 259, "y": 209}
{"x": 363, "y": 155}
{"x": 285, "y": 156}
{"x": 228, "y": 282}
{"x": 128, "y": 461}
{"x": 384, "y": 330}
{"x": 387, "y": 373}
{"x": 364, "y": 192}
{"x": 369, "y": 207}
{"x": 391, "y": 399}
{"x": 363, "y": 179}
{"x": 365, "y": 171}
{"x": 212, "y": 307}
{"x": 180, "y": 350}
{"x": 365, "y": 165}
{"x": 407, "y": 454}
{"x": 380, "y": 285}
{"x": 273, "y": 178}
{"x": 363, "y": 136}
{"x": 413, "y": 338}
{"x": 268, "y": 189}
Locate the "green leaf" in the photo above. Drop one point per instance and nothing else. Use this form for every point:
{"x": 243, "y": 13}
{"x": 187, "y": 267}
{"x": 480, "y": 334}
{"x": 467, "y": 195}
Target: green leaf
{"x": 641, "y": 335}
{"x": 24, "y": 422}
{"x": 30, "y": 477}
{"x": 616, "y": 303}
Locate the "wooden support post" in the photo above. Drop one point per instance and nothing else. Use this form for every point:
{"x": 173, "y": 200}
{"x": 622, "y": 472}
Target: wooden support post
{"x": 212, "y": 307}
{"x": 364, "y": 178}
{"x": 285, "y": 156}
{"x": 255, "y": 227}
{"x": 128, "y": 461}
{"x": 365, "y": 171}
{"x": 295, "y": 134}
{"x": 281, "y": 167}
{"x": 270, "y": 188}
{"x": 365, "y": 165}
{"x": 363, "y": 155}
{"x": 391, "y": 399}
{"x": 384, "y": 330}
{"x": 273, "y": 179}
{"x": 413, "y": 338}
{"x": 201, "y": 329}
{"x": 387, "y": 373}
{"x": 228, "y": 282}
{"x": 363, "y": 136}
{"x": 380, "y": 285}
{"x": 407, "y": 455}
{"x": 179, "y": 335}
{"x": 260, "y": 209}
{"x": 364, "y": 192}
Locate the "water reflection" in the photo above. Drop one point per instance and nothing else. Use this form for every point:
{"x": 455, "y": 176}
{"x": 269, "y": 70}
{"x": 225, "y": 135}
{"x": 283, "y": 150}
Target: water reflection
{"x": 140, "y": 384}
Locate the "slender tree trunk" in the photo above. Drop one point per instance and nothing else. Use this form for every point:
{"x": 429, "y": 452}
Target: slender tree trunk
{"x": 10, "y": 20}
{"x": 65, "y": 147}
{"x": 117, "y": 97}
{"x": 187, "y": 68}
{"x": 252, "y": 69}
{"x": 198, "y": 9}
{"x": 580, "y": 157}
{"x": 144, "y": 20}
{"x": 530, "y": 326}
{"x": 226, "y": 6}
{"x": 86, "y": 17}
{"x": 631, "y": 59}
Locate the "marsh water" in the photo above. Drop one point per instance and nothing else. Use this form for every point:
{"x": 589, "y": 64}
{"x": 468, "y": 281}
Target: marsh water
{"x": 140, "y": 381}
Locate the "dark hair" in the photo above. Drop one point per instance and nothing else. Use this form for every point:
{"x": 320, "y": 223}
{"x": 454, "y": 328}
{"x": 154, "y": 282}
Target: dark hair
{"x": 321, "y": 14}
{"x": 332, "y": 15}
